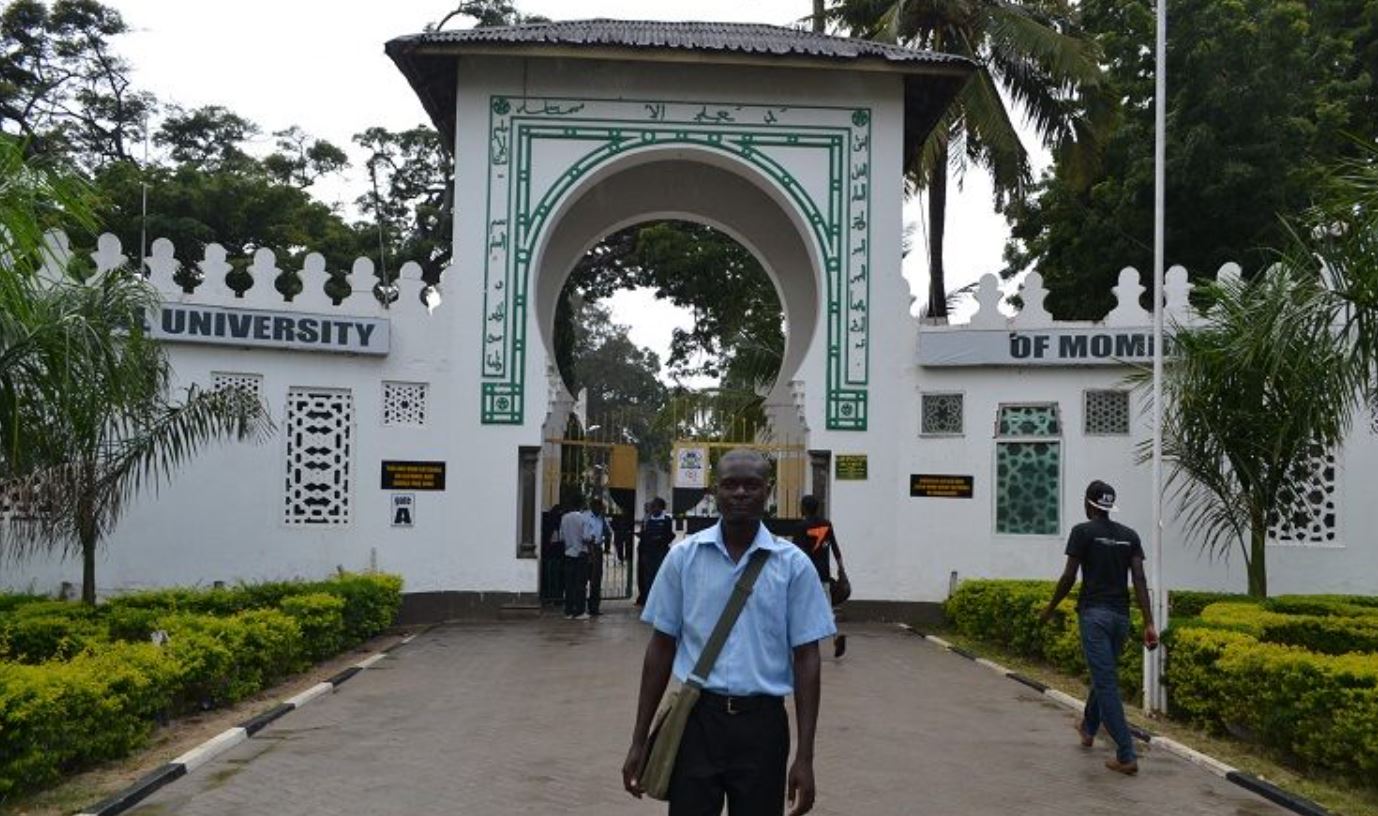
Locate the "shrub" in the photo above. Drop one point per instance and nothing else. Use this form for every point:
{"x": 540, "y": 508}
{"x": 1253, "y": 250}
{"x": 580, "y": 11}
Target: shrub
{"x": 1188, "y": 603}
{"x": 320, "y": 616}
{"x": 1319, "y": 710}
{"x": 45, "y": 630}
{"x": 1329, "y": 634}
{"x": 1007, "y": 612}
{"x": 59, "y": 716}
{"x": 223, "y": 645}
{"x": 371, "y": 602}
{"x": 9, "y": 601}
{"x": 224, "y": 660}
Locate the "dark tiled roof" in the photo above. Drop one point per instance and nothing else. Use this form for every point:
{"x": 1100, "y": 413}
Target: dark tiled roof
{"x": 744, "y": 38}
{"x": 931, "y": 79}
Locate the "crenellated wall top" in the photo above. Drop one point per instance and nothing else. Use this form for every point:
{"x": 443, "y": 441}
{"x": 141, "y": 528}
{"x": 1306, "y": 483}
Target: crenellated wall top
{"x": 205, "y": 281}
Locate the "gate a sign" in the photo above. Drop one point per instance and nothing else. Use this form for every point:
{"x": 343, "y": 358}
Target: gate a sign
{"x": 403, "y": 509}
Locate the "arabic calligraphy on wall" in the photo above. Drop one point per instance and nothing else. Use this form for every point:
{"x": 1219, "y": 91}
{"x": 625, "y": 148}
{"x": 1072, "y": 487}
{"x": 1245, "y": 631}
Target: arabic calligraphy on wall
{"x": 830, "y": 183}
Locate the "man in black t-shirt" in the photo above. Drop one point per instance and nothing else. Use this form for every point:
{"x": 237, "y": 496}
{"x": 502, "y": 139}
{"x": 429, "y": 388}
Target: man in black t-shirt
{"x": 1107, "y": 554}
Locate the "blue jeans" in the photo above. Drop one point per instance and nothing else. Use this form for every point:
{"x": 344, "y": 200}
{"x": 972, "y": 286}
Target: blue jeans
{"x": 1103, "y": 632}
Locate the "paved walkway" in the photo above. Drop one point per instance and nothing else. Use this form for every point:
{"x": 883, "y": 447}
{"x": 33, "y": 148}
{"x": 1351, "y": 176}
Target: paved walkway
{"x": 533, "y": 717}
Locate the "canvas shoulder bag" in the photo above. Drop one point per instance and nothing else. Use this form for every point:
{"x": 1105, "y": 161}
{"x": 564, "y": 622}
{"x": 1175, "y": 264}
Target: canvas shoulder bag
{"x": 667, "y": 730}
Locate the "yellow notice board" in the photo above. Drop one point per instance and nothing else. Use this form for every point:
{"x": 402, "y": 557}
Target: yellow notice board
{"x": 850, "y": 467}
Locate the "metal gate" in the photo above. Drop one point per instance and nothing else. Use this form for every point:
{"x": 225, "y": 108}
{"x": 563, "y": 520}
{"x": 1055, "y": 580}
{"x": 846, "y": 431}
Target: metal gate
{"x": 602, "y": 470}
{"x": 694, "y": 502}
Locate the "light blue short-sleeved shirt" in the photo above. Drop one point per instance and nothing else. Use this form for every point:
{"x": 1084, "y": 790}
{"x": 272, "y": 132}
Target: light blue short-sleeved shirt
{"x": 787, "y": 608}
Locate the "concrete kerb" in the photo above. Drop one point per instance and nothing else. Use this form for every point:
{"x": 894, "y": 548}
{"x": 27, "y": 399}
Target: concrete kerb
{"x": 1269, "y": 791}
{"x": 227, "y": 739}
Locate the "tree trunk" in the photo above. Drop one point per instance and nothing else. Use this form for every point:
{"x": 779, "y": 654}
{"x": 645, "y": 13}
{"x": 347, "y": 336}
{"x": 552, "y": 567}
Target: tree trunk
{"x": 86, "y": 533}
{"x": 88, "y": 570}
{"x": 1258, "y": 555}
{"x": 937, "y": 225}
{"x": 818, "y": 16}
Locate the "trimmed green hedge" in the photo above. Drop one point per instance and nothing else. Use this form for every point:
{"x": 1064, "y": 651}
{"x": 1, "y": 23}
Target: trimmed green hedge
{"x": 68, "y": 714}
{"x": 1318, "y": 710}
{"x": 47, "y": 630}
{"x": 320, "y": 618}
{"x": 1006, "y": 612}
{"x": 1331, "y": 633}
{"x": 217, "y": 647}
{"x": 1188, "y": 603}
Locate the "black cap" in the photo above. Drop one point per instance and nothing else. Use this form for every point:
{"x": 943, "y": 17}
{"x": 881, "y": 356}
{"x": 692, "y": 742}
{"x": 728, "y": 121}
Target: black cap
{"x": 1101, "y": 496}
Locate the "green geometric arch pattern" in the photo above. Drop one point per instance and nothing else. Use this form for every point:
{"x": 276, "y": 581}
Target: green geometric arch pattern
{"x": 540, "y": 148}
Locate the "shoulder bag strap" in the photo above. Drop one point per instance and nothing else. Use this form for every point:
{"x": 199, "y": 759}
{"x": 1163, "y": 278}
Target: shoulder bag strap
{"x": 730, "y": 613}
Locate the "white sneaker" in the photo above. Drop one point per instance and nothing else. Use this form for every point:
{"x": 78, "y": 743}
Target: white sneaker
{"x": 584, "y": 616}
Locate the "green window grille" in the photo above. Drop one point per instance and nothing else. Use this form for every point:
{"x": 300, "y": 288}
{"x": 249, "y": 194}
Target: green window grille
{"x": 1028, "y": 470}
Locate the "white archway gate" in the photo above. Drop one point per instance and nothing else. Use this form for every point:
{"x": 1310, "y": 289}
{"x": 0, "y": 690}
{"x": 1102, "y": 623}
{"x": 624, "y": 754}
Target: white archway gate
{"x": 816, "y": 161}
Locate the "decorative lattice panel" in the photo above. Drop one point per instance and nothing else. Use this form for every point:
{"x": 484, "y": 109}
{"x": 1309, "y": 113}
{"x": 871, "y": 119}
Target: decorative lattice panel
{"x": 1028, "y": 420}
{"x": 404, "y": 403}
{"x": 1107, "y": 413}
{"x": 249, "y": 383}
{"x": 1307, "y": 511}
{"x": 1027, "y": 487}
{"x": 320, "y": 447}
{"x": 942, "y": 414}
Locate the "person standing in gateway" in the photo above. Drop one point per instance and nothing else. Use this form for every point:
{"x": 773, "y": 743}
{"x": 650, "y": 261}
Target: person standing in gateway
{"x": 1107, "y": 554}
{"x": 736, "y": 742}
{"x": 657, "y": 533}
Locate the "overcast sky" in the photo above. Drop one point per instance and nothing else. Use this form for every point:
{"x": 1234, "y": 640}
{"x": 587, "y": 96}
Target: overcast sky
{"x": 320, "y": 65}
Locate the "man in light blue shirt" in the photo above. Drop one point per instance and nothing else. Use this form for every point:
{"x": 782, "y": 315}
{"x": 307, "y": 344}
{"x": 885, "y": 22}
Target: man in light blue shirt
{"x": 577, "y": 533}
{"x": 736, "y": 744}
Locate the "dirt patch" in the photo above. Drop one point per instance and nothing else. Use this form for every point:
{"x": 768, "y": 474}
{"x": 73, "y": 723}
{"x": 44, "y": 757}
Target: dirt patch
{"x": 176, "y": 738}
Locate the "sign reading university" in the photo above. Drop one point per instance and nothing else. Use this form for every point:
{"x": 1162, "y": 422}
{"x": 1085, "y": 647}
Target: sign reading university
{"x": 216, "y": 325}
{"x": 1038, "y": 347}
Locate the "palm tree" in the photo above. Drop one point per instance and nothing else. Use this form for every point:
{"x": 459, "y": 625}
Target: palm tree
{"x": 1250, "y": 396}
{"x": 1032, "y": 50}
{"x": 84, "y": 394}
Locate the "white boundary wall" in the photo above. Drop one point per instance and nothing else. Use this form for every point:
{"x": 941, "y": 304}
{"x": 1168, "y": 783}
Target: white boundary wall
{"x": 223, "y": 518}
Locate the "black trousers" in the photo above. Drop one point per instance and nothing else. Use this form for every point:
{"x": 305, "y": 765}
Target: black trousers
{"x": 576, "y": 583}
{"x": 739, "y": 757}
{"x": 648, "y": 560}
{"x": 596, "y": 583}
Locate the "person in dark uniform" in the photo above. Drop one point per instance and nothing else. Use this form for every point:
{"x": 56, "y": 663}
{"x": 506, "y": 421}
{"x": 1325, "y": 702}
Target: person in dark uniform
{"x": 657, "y": 534}
{"x": 817, "y": 539}
{"x": 1107, "y": 554}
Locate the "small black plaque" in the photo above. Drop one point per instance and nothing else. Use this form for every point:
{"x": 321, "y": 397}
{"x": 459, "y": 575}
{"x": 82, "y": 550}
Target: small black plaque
{"x": 940, "y": 486}
{"x": 398, "y": 475}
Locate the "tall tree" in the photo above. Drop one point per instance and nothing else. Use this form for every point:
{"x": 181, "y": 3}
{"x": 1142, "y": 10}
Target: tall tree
{"x": 738, "y": 330}
{"x": 487, "y": 13}
{"x": 621, "y": 379}
{"x": 1033, "y": 51}
{"x": 1264, "y": 96}
{"x": 411, "y": 200}
{"x": 63, "y": 87}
